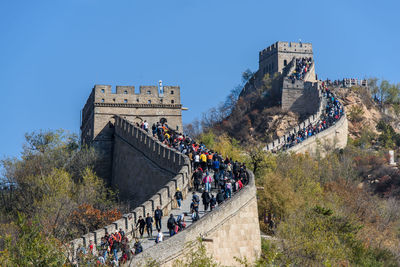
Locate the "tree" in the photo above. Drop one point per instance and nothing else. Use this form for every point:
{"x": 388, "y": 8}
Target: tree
{"x": 87, "y": 218}
{"x": 373, "y": 86}
{"x": 388, "y": 137}
{"x": 246, "y": 75}
{"x": 383, "y": 91}
{"x": 192, "y": 129}
{"x": 28, "y": 246}
{"x": 356, "y": 113}
{"x": 259, "y": 160}
{"x": 393, "y": 94}
{"x": 51, "y": 180}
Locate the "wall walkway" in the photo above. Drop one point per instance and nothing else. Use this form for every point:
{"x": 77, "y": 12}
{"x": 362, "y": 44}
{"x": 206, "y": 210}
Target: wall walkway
{"x": 232, "y": 227}
{"x": 160, "y": 156}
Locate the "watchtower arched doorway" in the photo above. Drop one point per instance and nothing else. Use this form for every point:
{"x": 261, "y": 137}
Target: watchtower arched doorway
{"x": 137, "y": 120}
{"x": 163, "y": 120}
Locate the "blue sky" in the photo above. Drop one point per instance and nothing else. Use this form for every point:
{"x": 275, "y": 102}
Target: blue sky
{"x": 53, "y": 52}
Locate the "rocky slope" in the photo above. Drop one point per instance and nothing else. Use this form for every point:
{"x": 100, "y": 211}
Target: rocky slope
{"x": 363, "y": 112}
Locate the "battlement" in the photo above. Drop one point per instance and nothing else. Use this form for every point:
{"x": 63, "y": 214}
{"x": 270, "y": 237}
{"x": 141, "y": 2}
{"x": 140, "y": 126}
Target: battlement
{"x": 285, "y": 47}
{"x": 148, "y": 94}
{"x": 150, "y": 104}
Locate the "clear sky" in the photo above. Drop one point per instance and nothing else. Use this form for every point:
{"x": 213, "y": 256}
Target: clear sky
{"x": 53, "y": 52}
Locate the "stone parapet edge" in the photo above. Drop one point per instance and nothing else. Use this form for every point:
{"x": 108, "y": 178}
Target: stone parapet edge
{"x": 330, "y": 131}
{"x": 310, "y": 120}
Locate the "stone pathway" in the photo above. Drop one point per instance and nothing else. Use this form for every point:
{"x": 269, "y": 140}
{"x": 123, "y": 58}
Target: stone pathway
{"x": 148, "y": 242}
{"x": 185, "y": 209}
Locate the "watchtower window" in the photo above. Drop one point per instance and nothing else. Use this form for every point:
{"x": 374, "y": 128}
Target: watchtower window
{"x": 148, "y": 101}
{"x": 137, "y": 99}
{"x": 172, "y": 92}
{"x": 172, "y": 101}
{"x": 285, "y": 62}
{"x": 114, "y": 99}
{"x": 125, "y": 92}
{"x": 149, "y": 92}
{"x": 102, "y": 100}
{"x": 102, "y": 90}
{"x": 125, "y": 100}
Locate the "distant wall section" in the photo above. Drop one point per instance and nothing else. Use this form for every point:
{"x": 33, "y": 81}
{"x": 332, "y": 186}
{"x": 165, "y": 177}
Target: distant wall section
{"x": 332, "y": 138}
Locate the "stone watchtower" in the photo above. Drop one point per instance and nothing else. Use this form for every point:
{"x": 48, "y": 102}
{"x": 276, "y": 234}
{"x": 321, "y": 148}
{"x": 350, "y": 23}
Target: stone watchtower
{"x": 300, "y": 96}
{"x": 277, "y": 56}
{"x": 152, "y": 103}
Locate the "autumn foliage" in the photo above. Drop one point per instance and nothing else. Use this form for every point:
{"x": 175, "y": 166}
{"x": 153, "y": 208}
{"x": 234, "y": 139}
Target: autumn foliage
{"x": 88, "y": 218}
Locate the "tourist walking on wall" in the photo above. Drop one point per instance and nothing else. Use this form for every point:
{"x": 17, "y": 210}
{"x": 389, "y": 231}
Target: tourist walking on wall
{"x": 216, "y": 167}
{"x": 197, "y": 176}
{"x": 220, "y": 197}
{"x": 149, "y": 225}
{"x": 196, "y": 162}
{"x": 178, "y": 197}
{"x": 194, "y": 209}
{"x": 209, "y": 160}
{"x": 171, "y": 224}
{"x": 207, "y": 180}
{"x": 160, "y": 236}
{"x": 213, "y": 202}
{"x": 157, "y": 217}
{"x": 146, "y": 126}
{"x": 137, "y": 246}
{"x": 206, "y": 200}
{"x": 141, "y": 224}
{"x": 203, "y": 161}
{"x": 228, "y": 189}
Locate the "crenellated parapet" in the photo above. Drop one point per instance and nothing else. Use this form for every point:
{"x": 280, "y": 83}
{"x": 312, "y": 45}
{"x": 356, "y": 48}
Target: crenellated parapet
{"x": 278, "y": 55}
{"x": 146, "y": 95}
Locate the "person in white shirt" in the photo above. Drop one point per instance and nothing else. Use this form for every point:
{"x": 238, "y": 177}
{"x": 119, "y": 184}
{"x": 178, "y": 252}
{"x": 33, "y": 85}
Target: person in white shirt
{"x": 146, "y": 126}
{"x": 196, "y": 161}
{"x": 160, "y": 236}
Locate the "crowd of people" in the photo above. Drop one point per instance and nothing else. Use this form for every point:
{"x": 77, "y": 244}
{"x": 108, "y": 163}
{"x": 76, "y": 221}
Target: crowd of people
{"x": 302, "y": 67}
{"x": 215, "y": 178}
{"x": 333, "y": 112}
{"x": 111, "y": 245}
{"x": 346, "y": 82}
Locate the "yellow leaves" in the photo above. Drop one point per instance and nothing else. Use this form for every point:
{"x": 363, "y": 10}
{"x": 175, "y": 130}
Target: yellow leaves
{"x": 223, "y": 144}
{"x": 278, "y": 196}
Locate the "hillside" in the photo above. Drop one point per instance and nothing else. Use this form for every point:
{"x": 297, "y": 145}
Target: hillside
{"x": 363, "y": 112}
{"x": 340, "y": 210}
{"x": 257, "y": 117}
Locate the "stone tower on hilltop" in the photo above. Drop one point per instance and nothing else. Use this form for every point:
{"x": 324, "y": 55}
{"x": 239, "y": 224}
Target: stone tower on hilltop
{"x": 152, "y": 103}
{"x": 300, "y": 96}
{"x": 277, "y": 56}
